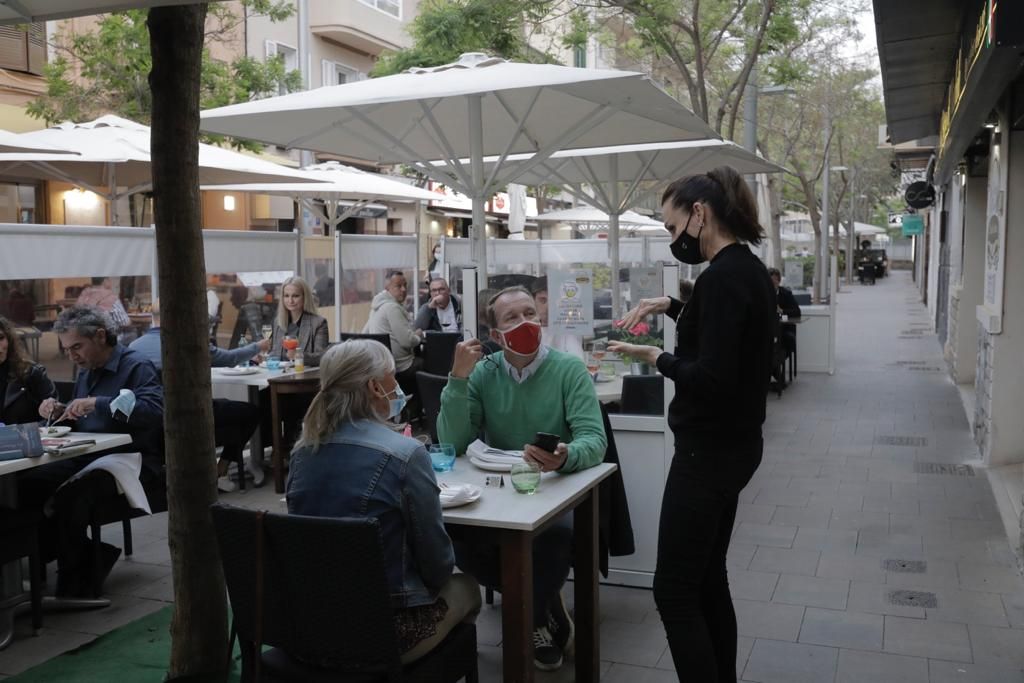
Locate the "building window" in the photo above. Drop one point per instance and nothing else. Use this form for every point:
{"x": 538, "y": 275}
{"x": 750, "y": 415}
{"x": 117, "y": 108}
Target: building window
{"x": 23, "y": 47}
{"x": 579, "y": 56}
{"x": 335, "y": 73}
{"x": 390, "y": 7}
{"x": 288, "y": 54}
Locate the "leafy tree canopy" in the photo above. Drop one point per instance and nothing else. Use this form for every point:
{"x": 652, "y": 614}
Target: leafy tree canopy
{"x": 106, "y": 71}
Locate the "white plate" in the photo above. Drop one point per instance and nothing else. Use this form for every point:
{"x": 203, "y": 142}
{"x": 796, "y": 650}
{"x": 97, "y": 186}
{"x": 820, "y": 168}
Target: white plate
{"x": 471, "y": 495}
{"x": 281, "y": 366}
{"x": 491, "y": 466}
{"x": 239, "y": 371}
{"x": 54, "y": 432}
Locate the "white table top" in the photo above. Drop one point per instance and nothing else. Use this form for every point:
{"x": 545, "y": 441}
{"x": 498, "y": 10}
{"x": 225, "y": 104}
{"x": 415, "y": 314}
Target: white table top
{"x": 255, "y": 379}
{"x": 503, "y": 508}
{"x": 103, "y": 442}
{"x": 609, "y": 391}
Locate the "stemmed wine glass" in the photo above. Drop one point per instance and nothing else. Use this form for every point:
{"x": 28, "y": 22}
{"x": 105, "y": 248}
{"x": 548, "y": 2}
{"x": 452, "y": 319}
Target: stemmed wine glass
{"x": 267, "y": 331}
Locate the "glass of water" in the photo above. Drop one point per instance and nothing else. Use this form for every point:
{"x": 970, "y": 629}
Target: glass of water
{"x": 525, "y": 477}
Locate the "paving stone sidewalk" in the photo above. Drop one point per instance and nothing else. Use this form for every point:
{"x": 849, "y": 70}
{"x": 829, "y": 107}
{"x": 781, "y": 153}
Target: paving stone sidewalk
{"x": 861, "y": 552}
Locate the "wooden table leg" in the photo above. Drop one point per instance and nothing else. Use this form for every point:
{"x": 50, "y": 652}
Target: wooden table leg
{"x": 585, "y": 568}
{"x": 517, "y": 606}
{"x": 275, "y": 430}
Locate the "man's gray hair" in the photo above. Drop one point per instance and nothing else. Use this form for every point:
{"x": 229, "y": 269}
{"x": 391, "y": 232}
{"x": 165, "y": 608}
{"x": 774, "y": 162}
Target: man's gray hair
{"x": 86, "y": 321}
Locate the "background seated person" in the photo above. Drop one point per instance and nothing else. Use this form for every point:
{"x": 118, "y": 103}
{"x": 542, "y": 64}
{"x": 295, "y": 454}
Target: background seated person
{"x": 786, "y": 304}
{"x": 526, "y": 389}
{"x": 388, "y": 316}
{"x": 101, "y": 295}
{"x": 561, "y": 341}
{"x": 233, "y": 421}
{"x": 442, "y": 312}
{"x": 23, "y": 384}
{"x": 349, "y": 463}
{"x": 105, "y": 368}
{"x": 250, "y": 317}
{"x": 297, "y": 317}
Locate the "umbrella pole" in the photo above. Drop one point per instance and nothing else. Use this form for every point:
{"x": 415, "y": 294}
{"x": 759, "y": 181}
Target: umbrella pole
{"x": 478, "y": 232}
{"x": 613, "y": 234}
{"x": 337, "y": 283}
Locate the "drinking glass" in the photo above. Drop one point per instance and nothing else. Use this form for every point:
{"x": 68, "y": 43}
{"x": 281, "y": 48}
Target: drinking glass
{"x": 442, "y": 456}
{"x": 267, "y": 331}
{"x": 525, "y": 477}
{"x": 593, "y": 365}
{"x": 290, "y": 343}
{"x": 599, "y": 348}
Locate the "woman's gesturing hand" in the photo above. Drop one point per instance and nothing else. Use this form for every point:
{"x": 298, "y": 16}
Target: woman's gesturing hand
{"x": 646, "y": 307}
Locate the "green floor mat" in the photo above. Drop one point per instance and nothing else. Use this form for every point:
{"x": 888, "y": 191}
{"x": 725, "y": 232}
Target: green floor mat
{"x": 135, "y": 653}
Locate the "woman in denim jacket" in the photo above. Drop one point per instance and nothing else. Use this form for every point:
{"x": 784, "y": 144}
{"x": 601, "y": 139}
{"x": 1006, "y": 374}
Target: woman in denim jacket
{"x": 350, "y": 463}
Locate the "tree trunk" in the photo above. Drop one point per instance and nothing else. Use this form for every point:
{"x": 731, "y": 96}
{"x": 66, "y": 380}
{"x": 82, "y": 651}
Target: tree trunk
{"x": 775, "y": 209}
{"x": 199, "y": 625}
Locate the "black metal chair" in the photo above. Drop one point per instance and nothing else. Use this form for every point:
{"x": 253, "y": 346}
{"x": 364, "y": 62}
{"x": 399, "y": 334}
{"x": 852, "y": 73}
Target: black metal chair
{"x": 643, "y": 395}
{"x": 430, "y": 387}
{"x": 315, "y": 590}
{"x": 19, "y": 537}
{"x": 439, "y": 351}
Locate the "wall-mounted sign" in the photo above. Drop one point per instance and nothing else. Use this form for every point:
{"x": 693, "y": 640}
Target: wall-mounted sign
{"x": 571, "y": 301}
{"x": 920, "y": 195}
{"x": 895, "y": 219}
{"x": 991, "y": 310}
{"x": 913, "y": 224}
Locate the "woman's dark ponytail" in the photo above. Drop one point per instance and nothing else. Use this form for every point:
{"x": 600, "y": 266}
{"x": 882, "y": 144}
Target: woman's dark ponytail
{"x": 728, "y": 195}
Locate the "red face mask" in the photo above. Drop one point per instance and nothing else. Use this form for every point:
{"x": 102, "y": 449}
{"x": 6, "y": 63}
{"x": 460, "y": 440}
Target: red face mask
{"x": 523, "y": 339}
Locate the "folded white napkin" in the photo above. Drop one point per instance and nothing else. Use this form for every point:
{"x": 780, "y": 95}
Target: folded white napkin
{"x": 458, "y": 494}
{"x": 125, "y": 468}
{"x": 481, "y": 451}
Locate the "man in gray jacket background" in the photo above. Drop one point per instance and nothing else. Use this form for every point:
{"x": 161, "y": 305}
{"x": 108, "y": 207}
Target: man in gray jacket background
{"x": 388, "y": 316}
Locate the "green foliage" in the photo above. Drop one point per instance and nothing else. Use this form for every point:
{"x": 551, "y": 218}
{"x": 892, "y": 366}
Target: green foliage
{"x": 445, "y": 29}
{"x": 106, "y": 71}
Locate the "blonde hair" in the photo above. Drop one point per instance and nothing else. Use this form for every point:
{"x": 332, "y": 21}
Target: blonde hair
{"x": 345, "y": 372}
{"x": 308, "y": 301}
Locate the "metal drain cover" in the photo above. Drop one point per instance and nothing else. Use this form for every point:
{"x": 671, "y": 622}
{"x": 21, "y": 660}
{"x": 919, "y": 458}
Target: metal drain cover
{"x": 905, "y": 566}
{"x": 943, "y": 468}
{"x": 912, "y": 599}
{"x": 912, "y": 441}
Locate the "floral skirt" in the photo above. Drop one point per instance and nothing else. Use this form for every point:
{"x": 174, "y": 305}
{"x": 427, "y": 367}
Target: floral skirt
{"x": 414, "y": 624}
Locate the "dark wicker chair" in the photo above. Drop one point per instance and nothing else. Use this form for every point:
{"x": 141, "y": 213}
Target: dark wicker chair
{"x": 384, "y": 339}
{"x": 643, "y": 395}
{"x": 439, "y": 351}
{"x": 314, "y": 589}
{"x": 430, "y": 388}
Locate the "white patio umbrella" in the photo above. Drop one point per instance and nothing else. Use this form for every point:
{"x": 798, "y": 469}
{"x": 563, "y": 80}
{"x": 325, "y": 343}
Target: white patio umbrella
{"x": 861, "y": 229}
{"x": 113, "y": 152}
{"x": 596, "y": 176}
{"x": 475, "y": 107}
{"x": 335, "y": 184}
{"x": 590, "y": 218}
{"x": 11, "y": 143}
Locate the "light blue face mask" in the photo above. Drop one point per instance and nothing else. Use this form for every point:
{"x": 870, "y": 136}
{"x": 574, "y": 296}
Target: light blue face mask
{"x": 396, "y": 404}
{"x": 123, "y": 405}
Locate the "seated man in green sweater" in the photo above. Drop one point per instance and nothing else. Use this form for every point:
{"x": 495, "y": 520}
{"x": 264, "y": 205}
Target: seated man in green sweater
{"x": 528, "y": 388}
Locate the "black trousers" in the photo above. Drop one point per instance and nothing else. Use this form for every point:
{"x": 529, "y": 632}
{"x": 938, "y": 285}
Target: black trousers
{"x": 63, "y": 535}
{"x": 691, "y": 586}
{"x": 233, "y": 425}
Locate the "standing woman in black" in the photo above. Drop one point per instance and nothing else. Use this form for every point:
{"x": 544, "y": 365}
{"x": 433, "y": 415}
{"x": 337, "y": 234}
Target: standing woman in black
{"x": 721, "y": 367}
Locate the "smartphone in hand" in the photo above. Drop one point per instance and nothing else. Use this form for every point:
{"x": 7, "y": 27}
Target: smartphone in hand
{"x": 546, "y": 442}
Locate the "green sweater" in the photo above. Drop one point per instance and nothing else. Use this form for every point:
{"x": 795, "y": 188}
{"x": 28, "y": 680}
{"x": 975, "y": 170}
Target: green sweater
{"x": 559, "y": 398}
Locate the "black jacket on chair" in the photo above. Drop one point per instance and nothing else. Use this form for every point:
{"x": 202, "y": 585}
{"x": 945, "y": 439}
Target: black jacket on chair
{"x": 614, "y": 526}
{"x": 22, "y": 398}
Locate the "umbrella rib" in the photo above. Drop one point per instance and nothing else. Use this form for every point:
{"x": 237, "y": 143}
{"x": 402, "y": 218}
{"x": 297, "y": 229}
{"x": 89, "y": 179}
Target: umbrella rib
{"x": 627, "y": 195}
{"x": 19, "y": 9}
{"x": 452, "y": 159}
{"x": 340, "y": 123}
{"x": 520, "y": 131}
{"x": 598, "y": 115}
{"x": 697, "y": 159}
{"x": 595, "y": 181}
{"x": 68, "y": 178}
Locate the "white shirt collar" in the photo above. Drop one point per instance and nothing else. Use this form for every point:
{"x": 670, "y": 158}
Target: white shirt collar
{"x": 520, "y": 376}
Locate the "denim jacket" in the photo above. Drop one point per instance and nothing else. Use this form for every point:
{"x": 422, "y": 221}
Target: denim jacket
{"x": 366, "y": 470}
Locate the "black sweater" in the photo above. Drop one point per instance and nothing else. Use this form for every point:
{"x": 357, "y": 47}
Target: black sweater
{"x": 722, "y": 362}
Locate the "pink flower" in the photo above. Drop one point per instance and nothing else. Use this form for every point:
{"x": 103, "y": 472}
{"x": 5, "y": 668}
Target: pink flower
{"x": 640, "y": 329}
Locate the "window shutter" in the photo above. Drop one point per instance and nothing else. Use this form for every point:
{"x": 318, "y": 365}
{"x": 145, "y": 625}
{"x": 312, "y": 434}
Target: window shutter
{"x": 13, "y": 48}
{"x": 326, "y": 72}
{"x": 271, "y": 48}
{"x": 37, "y": 48}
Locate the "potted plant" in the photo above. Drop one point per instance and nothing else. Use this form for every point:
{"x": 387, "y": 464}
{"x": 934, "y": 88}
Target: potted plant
{"x": 640, "y": 334}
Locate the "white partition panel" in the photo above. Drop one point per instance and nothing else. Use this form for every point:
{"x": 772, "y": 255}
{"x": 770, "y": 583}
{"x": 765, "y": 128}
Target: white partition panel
{"x": 574, "y": 251}
{"x": 378, "y": 251}
{"x": 30, "y": 251}
{"x": 243, "y": 251}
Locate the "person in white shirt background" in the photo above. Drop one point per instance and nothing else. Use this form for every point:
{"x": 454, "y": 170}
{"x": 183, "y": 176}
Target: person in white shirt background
{"x": 561, "y": 341}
